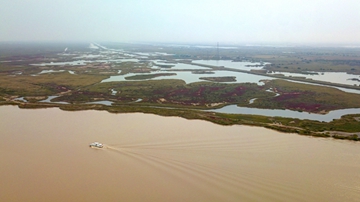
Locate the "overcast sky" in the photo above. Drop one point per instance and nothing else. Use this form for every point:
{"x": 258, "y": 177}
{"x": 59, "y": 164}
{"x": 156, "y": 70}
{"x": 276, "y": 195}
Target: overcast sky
{"x": 211, "y": 21}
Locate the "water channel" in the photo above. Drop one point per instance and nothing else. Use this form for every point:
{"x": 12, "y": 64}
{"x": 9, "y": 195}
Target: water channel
{"x": 335, "y": 114}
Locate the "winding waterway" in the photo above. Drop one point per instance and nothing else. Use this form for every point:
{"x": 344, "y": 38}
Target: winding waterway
{"x": 45, "y": 156}
{"x": 335, "y": 114}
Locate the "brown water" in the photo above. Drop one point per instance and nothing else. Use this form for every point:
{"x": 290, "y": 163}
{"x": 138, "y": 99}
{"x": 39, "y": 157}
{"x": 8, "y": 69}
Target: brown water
{"x": 44, "y": 156}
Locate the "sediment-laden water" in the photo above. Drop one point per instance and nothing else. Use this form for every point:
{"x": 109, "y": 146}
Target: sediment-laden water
{"x": 45, "y": 156}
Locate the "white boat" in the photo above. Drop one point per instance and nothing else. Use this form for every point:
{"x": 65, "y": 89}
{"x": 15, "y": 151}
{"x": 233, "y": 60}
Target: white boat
{"x": 96, "y": 144}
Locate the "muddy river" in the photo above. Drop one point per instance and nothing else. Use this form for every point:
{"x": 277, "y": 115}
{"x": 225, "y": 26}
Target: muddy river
{"x": 45, "y": 156}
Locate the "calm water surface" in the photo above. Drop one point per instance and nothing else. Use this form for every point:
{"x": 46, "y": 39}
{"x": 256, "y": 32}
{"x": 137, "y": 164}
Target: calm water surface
{"x": 230, "y": 64}
{"x": 333, "y": 77}
{"x": 335, "y": 114}
{"x": 189, "y": 77}
{"x": 44, "y": 156}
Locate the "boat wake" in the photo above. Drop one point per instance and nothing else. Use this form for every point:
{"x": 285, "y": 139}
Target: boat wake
{"x": 206, "y": 166}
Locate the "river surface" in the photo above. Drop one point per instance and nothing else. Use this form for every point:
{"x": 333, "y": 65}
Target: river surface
{"x": 335, "y": 114}
{"x": 45, "y": 156}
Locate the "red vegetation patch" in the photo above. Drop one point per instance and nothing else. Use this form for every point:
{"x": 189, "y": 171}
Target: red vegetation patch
{"x": 186, "y": 96}
{"x": 303, "y": 101}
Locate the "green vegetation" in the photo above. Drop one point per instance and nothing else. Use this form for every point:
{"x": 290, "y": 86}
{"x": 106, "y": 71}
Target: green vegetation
{"x": 310, "y": 98}
{"x": 177, "y": 93}
{"x": 45, "y": 84}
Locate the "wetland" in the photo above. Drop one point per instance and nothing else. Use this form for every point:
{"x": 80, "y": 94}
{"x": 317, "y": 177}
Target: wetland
{"x": 169, "y": 80}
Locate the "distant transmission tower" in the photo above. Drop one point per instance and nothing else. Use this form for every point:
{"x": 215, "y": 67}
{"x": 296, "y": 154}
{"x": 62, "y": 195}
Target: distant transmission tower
{"x": 218, "y": 55}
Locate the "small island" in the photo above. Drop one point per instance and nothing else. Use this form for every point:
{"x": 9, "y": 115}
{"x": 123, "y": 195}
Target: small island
{"x": 354, "y": 79}
{"x": 148, "y": 76}
{"x": 164, "y": 66}
{"x": 220, "y": 79}
{"x": 202, "y": 72}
